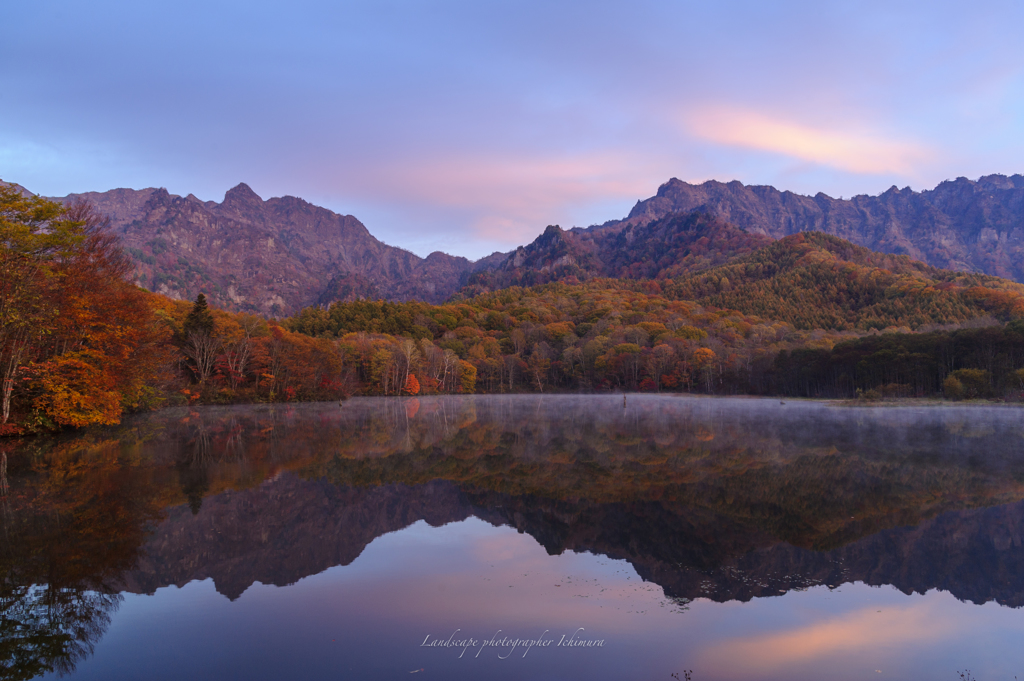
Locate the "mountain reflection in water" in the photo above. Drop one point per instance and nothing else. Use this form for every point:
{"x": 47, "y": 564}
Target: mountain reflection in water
{"x": 720, "y": 499}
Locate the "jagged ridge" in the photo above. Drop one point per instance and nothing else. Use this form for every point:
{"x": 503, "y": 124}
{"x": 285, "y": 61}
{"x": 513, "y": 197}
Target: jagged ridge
{"x": 271, "y": 257}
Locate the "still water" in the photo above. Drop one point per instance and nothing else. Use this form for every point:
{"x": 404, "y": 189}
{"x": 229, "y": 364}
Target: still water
{"x": 520, "y": 537}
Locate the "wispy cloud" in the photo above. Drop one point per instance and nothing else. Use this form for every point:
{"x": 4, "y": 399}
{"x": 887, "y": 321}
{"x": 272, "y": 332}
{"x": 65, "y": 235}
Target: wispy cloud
{"x": 859, "y": 631}
{"x": 470, "y": 126}
{"x": 849, "y": 149}
{"x": 509, "y": 199}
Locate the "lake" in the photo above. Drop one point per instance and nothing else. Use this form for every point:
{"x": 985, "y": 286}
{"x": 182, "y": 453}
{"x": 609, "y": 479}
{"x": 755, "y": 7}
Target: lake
{"x": 520, "y": 537}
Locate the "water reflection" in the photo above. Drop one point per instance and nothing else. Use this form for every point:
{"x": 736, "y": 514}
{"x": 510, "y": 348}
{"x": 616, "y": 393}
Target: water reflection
{"x": 46, "y": 629}
{"x": 73, "y": 526}
{"x": 724, "y": 500}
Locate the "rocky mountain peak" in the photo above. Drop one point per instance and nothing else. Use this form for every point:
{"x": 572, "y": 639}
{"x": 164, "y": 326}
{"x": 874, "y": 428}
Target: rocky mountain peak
{"x": 241, "y": 197}
{"x": 552, "y": 233}
{"x": 160, "y": 195}
{"x": 1001, "y": 182}
{"x": 17, "y": 187}
{"x": 272, "y": 257}
{"x": 961, "y": 224}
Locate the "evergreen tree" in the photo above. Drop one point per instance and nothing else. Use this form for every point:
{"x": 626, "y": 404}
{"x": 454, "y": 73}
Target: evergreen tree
{"x": 199, "y": 320}
{"x": 198, "y": 342}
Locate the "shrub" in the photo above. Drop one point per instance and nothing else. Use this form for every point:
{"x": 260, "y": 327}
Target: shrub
{"x": 975, "y": 382}
{"x": 872, "y": 395}
{"x": 952, "y": 388}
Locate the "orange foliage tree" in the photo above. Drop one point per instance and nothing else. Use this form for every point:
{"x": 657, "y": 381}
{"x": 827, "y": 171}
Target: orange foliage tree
{"x": 35, "y": 237}
{"x": 88, "y": 336}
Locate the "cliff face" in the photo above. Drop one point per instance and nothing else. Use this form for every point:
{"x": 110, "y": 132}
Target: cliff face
{"x": 960, "y": 225}
{"x": 273, "y": 257}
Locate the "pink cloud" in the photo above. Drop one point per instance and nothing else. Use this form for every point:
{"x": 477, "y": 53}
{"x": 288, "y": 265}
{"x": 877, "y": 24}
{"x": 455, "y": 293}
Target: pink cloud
{"x": 510, "y": 198}
{"x": 861, "y": 631}
{"x": 850, "y": 148}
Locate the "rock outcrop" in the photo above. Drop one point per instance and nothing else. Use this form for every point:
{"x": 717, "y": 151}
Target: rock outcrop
{"x": 273, "y": 257}
{"x": 674, "y": 244}
{"x": 960, "y": 225}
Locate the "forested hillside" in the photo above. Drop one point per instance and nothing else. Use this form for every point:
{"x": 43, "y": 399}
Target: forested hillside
{"x": 816, "y": 281}
{"x": 76, "y": 338}
{"x": 80, "y": 344}
{"x": 621, "y": 335}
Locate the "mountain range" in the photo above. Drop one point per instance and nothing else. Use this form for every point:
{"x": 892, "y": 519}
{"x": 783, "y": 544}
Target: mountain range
{"x": 272, "y": 257}
{"x": 960, "y": 225}
{"x": 280, "y": 255}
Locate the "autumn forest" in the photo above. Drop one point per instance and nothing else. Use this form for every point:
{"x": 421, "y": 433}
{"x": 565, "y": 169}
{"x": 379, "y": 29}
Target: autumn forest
{"x": 808, "y": 315}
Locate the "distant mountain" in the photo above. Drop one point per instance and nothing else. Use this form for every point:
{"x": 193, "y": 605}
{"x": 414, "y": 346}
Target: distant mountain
{"x": 17, "y": 187}
{"x": 280, "y": 255}
{"x": 811, "y": 280}
{"x": 674, "y": 244}
{"x": 960, "y": 225}
{"x": 273, "y": 257}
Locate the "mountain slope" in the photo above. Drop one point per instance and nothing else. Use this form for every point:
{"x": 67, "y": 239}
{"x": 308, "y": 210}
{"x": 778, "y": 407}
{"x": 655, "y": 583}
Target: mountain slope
{"x": 283, "y": 254}
{"x": 669, "y": 246}
{"x": 272, "y": 257}
{"x": 960, "y": 225}
{"x": 814, "y": 280}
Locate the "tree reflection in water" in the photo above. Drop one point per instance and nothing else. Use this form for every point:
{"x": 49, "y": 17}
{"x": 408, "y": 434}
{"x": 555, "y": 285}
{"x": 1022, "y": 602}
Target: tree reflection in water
{"x": 74, "y": 518}
{"x": 49, "y": 629}
{"x": 692, "y": 492}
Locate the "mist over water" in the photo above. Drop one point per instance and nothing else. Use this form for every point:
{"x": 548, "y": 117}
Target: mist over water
{"x": 640, "y": 536}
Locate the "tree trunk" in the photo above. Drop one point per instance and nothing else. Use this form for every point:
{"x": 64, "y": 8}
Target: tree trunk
{"x": 7, "y": 390}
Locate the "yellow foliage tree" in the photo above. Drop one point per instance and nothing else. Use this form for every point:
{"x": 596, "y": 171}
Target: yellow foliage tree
{"x": 704, "y": 363}
{"x": 75, "y": 393}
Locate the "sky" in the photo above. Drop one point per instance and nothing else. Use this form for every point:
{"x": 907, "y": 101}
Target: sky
{"x": 468, "y": 126}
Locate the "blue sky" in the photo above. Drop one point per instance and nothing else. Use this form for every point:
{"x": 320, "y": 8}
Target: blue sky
{"x": 469, "y": 126}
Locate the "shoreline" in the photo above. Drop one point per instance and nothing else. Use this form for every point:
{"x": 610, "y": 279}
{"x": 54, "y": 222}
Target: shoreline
{"x": 889, "y": 403}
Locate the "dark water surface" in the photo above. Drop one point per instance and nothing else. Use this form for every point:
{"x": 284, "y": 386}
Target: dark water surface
{"x": 738, "y": 538}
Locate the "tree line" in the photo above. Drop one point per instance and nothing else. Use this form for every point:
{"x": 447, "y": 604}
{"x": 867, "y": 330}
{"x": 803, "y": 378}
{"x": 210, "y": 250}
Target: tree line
{"x": 592, "y": 338}
{"x": 958, "y": 364}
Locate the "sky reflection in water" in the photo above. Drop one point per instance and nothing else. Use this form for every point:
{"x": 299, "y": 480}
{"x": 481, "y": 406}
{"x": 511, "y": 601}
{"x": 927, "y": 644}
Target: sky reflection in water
{"x": 688, "y": 534}
{"x": 368, "y": 620}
